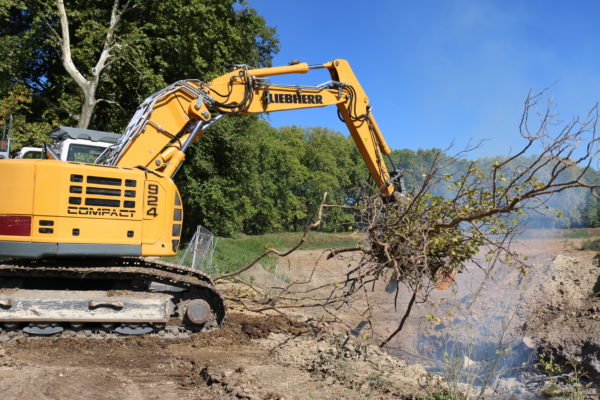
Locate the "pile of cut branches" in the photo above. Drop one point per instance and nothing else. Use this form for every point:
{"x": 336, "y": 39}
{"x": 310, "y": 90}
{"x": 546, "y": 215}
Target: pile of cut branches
{"x": 423, "y": 240}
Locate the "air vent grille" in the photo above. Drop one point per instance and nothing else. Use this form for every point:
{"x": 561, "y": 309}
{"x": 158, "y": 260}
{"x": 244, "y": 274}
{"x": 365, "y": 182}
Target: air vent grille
{"x": 102, "y": 191}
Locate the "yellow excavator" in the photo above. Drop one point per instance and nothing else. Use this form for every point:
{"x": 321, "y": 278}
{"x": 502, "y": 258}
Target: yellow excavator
{"x": 74, "y": 237}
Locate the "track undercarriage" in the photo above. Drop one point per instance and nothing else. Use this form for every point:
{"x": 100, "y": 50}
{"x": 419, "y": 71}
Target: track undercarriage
{"x": 105, "y": 297}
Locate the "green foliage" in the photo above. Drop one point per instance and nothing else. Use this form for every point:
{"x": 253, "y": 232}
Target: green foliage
{"x": 548, "y": 365}
{"x": 17, "y": 104}
{"x": 246, "y": 176}
{"x": 590, "y": 212}
{"x": 157, "y": 42}
{"x": 423, "y": 235}
{"x": 415, "y": 165}
{"x": 570, "y": 375}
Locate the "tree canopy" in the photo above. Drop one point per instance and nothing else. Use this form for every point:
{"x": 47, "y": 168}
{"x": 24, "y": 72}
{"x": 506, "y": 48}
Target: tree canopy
{"x": 246, "y": 176}
{"x": 155, "y": 43}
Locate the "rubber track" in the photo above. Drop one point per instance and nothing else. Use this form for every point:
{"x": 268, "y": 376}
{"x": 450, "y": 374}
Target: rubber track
{"x": 197, "y": 284}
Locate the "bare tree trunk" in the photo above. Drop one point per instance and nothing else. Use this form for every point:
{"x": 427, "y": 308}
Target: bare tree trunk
{"x": 87, "y": 107}
{"x": 88, "y": 86}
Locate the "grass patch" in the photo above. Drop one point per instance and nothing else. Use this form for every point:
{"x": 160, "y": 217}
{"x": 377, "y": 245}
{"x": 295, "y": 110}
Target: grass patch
{"x": 591, "y": 245}
{"x": 575, "y": 233}
{"x": 447, "y": 395}
{"x": 580, "y": 233}
{"x": 234, "y": 253}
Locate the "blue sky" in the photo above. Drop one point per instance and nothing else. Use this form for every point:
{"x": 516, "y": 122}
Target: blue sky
{"x": 438, "y": 71}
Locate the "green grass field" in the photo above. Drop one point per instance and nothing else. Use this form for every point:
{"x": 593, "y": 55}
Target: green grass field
{"x": 234, "y": 253}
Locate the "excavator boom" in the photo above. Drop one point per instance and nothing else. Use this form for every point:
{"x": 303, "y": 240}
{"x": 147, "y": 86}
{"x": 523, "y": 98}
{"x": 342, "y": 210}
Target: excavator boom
{"x": 167, "y": 122}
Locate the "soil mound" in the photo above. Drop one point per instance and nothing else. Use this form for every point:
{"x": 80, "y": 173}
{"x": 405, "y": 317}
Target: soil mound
{"x": 565, "y": 317}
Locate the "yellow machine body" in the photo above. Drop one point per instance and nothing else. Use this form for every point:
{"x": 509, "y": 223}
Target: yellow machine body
{"x": 127, "y": 203}
{"x": 57, "y": 208}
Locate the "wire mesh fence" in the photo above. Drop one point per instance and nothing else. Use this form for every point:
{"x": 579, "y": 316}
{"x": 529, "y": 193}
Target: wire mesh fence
{"x": 200, "y": 251}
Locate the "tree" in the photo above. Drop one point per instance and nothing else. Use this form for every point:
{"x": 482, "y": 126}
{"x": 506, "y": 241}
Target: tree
{"x": 337, "y": 168}
{"x": 280, "y": 203}
{"x": 246, "y": 176}
{"x": 220, "y": 182}
{"x": 591, "y": 212}
{"x": 120, "y": 51}
{"x": 89, "y": 85}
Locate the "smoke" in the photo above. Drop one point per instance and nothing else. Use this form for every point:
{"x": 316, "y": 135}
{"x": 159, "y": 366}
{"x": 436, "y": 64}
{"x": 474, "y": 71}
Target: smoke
{"x": 473, "y": 333}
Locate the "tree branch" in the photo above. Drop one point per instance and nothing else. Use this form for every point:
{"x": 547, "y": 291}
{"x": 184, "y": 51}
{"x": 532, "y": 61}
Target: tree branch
{"x": 409, "y": 307}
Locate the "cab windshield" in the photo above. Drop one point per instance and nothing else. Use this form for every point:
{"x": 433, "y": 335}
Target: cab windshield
{"x": 84, "y": 153}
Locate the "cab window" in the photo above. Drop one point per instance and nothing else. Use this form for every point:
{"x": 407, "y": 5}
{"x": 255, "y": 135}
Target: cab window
{"x": 84, "y": 153}
{"x": 32, "y": 154}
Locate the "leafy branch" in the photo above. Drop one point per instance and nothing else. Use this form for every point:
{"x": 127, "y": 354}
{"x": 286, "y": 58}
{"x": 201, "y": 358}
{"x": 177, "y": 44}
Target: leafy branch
{"x": 423, "y": 238}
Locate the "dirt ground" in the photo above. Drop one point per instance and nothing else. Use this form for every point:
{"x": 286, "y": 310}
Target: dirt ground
{"x": 497, "y": 322}
{"x": 291, "y": 355}
{"x": 253, "y": 356}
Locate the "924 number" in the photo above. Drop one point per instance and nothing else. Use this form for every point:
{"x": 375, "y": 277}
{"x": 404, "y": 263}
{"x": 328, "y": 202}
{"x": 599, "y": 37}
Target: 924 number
{"x": 152, "y": 200}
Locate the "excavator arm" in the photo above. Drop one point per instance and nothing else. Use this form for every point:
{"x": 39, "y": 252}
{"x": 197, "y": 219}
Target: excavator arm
{"x": 169, "y": 121}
